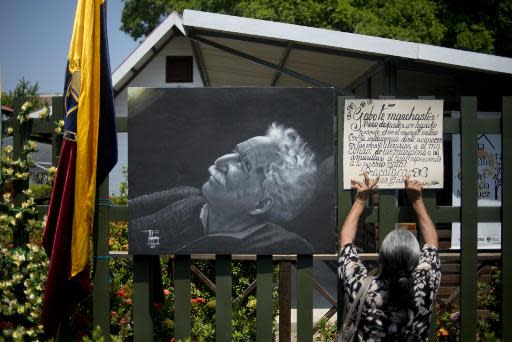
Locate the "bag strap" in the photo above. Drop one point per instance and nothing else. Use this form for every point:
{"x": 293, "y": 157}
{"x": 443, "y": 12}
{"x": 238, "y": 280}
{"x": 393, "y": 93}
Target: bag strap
{"x": 366, "y": 285}
{"x": 360, "y": 297}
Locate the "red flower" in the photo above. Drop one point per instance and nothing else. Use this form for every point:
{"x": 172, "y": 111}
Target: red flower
{"x": 167, "y": 292}
{"x": 172, "y": 339}
{"x": 198, "y": 300}
{"x": 157, "y": 306}
{"x": 6, "y": 325}
{"x": 121, "y": 293}
{"x": 113, "y": 313}
{"x": 128, "y": 301}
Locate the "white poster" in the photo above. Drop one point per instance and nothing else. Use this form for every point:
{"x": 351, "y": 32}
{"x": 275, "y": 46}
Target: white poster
{"x": 393, "y": 138}
{"x": 489, "y": 184}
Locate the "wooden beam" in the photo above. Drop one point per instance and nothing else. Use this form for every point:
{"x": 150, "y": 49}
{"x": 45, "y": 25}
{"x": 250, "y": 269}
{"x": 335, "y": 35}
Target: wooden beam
{"x": 198, "y": 56}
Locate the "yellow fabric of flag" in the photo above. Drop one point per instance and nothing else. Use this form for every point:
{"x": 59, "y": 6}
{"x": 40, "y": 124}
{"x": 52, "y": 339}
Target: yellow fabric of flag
{"x": 84, "y": 59}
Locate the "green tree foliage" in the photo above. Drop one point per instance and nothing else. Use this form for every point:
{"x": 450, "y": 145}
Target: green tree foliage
{"x": 22, "y": 93}
{"x": 483, "y": 26}
{"x": 410, "y": 20}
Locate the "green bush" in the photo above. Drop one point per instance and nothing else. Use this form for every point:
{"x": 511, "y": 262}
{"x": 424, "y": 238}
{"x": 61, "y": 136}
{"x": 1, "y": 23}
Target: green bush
{"x": 22, "y": 277}
{"x": 41, "y": 191}
{"x": 326, "y": 331}
{"x": 23, "y": 262}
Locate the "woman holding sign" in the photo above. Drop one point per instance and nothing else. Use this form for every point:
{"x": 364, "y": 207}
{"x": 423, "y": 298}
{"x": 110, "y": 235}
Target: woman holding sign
{"x": 396, "y": 305}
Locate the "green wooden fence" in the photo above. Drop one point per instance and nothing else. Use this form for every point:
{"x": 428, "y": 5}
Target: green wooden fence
{"x": 386, "y": 215}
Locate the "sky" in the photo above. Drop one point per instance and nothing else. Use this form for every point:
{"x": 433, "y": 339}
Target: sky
{"x": 35, "y": 36}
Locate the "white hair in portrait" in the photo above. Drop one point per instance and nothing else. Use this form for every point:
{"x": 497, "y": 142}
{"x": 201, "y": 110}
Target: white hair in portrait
{"x": 290, "y": 181}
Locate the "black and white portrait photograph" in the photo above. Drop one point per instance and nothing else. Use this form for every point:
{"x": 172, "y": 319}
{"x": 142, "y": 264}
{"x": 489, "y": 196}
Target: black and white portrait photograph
{"x": 231, "y": 170}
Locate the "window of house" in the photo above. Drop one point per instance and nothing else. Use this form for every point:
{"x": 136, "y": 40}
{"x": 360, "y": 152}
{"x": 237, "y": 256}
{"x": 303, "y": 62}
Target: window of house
{"x": 178, "y": 69}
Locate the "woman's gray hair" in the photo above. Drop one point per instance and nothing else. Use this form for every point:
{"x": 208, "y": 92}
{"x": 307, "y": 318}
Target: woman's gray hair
{"x": 398, "y": 256}
{"x": 290, "y": 181}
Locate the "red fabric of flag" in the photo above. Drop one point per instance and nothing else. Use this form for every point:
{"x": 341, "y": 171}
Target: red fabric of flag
{"x": 62, "y": 293}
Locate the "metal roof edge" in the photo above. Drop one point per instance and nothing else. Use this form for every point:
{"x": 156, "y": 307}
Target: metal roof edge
{"x": 465, "y": 59}
{"x": 173, "y": 20}
{"x": 346, "y": 41}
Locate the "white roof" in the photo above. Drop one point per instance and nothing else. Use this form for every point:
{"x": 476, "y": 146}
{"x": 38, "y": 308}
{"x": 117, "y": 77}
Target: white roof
{"x": 334, "y": 57}
{"x": 146, "y": 49}
{"x": 345, "y": 41}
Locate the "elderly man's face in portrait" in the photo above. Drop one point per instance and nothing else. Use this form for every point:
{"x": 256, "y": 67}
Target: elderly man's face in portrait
{"x": 236, "y": 179}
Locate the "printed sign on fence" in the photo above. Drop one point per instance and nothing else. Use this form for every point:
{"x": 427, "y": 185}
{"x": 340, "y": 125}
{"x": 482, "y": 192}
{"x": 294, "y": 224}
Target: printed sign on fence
{"x": 489, "y": 178}
{"x": 393, "y": 138}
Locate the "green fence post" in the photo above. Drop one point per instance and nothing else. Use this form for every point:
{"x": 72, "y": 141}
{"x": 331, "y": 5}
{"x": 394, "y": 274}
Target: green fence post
{"x": 285, "y": 304}
{"x": 19, "y": 139}
{"x": 101, "y": 294}
{"x": 344, "y": 200}
{"x": 142, "y": 320}
{"x": 264, "y": 282}
{"x": 223, "y": 298}
{"x": 506, "y": 220}
{"x": 469, "y": 219}
{"x": 183, "y": 308}
{"x": 304, "y": 298}
{"x": 57, "y": 114}
{"x": 387, "y": 213}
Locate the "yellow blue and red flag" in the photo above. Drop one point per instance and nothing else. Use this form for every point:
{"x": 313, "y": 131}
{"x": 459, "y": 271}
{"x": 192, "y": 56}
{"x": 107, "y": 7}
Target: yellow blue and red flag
{"x": 89, "y": 152}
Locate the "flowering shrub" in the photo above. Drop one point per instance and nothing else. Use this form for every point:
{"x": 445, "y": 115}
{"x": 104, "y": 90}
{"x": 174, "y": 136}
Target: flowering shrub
{"x": 489, "y": 298}
{"x": 121, "y": 304}
{"x": 22, "y": 277}
{"x": 326, "y": 331}
{"x": 60, "y": 127}
{"x": 25, "y": 110}
{"x": 23, "y": 262}
{"x": 118, "y": 240}
{"x": 43, "y": 114}
{"x": 447, "y": 323}
{"x": 122, "y": 198}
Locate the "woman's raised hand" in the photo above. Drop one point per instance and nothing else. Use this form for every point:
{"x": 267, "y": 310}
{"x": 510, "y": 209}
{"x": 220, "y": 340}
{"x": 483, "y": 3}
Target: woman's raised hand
{"x": 413, "y": 189}
{"x": 365, "y": 187}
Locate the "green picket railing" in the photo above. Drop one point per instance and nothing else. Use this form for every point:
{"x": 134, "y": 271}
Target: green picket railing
{"x": 386, "y": 215}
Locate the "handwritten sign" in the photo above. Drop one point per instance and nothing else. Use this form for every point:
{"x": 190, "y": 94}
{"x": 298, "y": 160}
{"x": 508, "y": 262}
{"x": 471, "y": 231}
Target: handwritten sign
{"x": 393, "y": 138}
